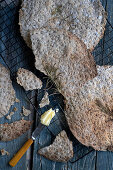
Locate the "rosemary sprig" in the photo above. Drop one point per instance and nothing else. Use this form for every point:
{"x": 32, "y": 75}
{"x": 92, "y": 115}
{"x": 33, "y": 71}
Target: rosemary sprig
{"x": 103, "y": 108}
{"x": 57, "y": 10}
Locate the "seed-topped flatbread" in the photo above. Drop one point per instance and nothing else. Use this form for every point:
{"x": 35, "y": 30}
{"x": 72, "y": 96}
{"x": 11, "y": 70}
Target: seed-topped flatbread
{"x": 84, "y": 18}
{"x": 13, "y": 130}
{"x": 7, "y": 93}
{"x": 90, "y": 116}
{"x": 64, "y": 58}
{"x": 60, "y": 150}
{"x": 28, "y": 80}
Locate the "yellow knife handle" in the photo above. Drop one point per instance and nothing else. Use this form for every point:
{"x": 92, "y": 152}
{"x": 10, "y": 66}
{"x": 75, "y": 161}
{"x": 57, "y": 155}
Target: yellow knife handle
{"x": 20, "y": 153}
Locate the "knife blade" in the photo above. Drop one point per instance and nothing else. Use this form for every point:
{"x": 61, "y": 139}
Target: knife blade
{"x": 37, "y": 131}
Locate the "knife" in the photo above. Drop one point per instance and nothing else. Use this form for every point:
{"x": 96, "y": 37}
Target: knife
{"x": 45, "y": 121}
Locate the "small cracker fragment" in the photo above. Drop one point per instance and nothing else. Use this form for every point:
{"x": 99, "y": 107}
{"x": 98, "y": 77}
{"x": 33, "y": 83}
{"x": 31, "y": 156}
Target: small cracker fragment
{"x": 17, "y": 100}
{"x": 13, "y": 130}
{"x": 28, "y": 80}
{"x": 4, "y": 152}
{"x": 45, "y": 100}
{"x": 60, "y": 150}
{"x": 7, "y": 93}
{"x": 15, "y": 109}
{"x": 26, "y": 112}
{"x": 9, "y": 116}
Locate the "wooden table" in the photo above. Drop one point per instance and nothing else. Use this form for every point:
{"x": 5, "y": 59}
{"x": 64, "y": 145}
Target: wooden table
{"x": 16, "y": 54}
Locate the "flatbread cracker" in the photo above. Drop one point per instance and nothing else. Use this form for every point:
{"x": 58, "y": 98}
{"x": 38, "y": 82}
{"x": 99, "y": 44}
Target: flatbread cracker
{"x": 60, "y": 150}
{"x": 7, "y": 93}
{"x": 64, "y": 58}
{"x": 28, "y": 80}
{"x": 84, "y": 18}
{"x": 45, "y": 100}
{"x": 90, "y": 115}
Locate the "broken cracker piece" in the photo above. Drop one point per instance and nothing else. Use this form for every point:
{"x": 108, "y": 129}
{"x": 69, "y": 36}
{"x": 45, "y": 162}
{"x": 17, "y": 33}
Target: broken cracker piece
{"x": 13, "y": 130}
{"x": 9, "y": 116}
{"x": 15, "y": 109}
{"x": 4, "y": 152}
{"x": 45, "y": 100}
{"x": 28, "y": 80}
{"x": 7, "y": 93}
{"x": 26, "y": 112}
{"x": 61, "y": 150}
{"x": 17, "y": 100}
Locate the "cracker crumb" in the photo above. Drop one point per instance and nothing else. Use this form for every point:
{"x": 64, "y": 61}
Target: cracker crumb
{"x": 17, "y": 100}
{"x": 4, "y": 152}
{"x": 11, "y": 113}
{"x": 13, "y": 130}
{"x": 15, "y": 109}
{"x": 45, "y": 100}
{"x": 8, "y": 117}
{"x": 26, "y": 112}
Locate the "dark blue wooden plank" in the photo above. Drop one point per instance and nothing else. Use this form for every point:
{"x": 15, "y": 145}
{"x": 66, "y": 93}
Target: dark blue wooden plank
{"x": 104, "y": 161}
{"x": 86, "y": 163}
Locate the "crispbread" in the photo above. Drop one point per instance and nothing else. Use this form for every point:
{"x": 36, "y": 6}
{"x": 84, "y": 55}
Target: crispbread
{"x": 60, "y": 150}
{"x": 14, "y": 130}
{"x": 45, "y": 100}
{"x": 28, "y": 80}
{"x": 64, "y": 58}
{"x": 26, "y": 112}
{"x": 90, "y": 116}
{"x": 7, "y": 93}
{"x": 84, "y": 18}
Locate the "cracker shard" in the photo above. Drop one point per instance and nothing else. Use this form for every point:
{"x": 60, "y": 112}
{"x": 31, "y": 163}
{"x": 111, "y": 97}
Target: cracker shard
{"x": 10, "y": 115}
{"x": 45, "y": 100}
{"x": 26, "y": 112}
{"x": 7, "y": 93}
{"x": 12, "y": 131}
{"x": 90, "y": 115}
{"x": 84, "y": 18}
{"x": 61, "y": 150}
{"x": 4, "y": 152}
{"x": 64, "y": 58}
{"x": 28, "y": 80}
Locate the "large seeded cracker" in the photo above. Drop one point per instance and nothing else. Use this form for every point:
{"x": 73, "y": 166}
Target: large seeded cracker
{"x": 28, "y": 80}
{"x": 64, "y": 58}
{"x": 90, "y": 116}
{"x": 12, "y": 131}
{"x": 60, "y": 150}
{"x": 7, "y": 93}
{"x": 83, "y": 18}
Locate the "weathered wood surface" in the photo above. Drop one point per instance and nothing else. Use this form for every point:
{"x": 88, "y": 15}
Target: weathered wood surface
{"x": 12, "y": 46}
